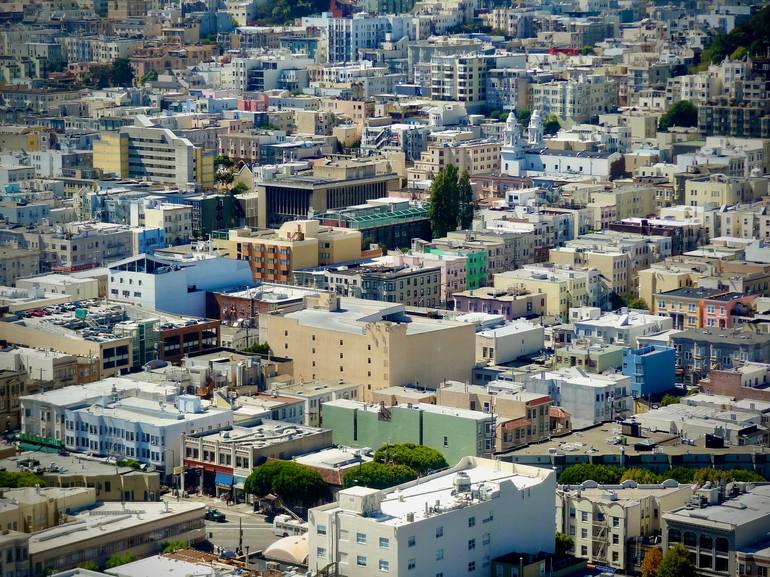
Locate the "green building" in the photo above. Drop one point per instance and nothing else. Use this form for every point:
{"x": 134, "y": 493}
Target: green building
{"x": 387, "y": 6}
{"x": 456, "y": 433}
{"x": 475, "y": 267}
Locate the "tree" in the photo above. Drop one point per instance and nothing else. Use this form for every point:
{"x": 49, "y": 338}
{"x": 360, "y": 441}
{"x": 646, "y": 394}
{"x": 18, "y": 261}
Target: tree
{"x": 465, "y": 198}
{"x": 171, "y": 546}
{"x": 149, "y": 76}
{"x": 682, "y": 475}
{"x": 89, "y": 565}
{"x": 714, "y": 476}
{"x": 121, "y": 73}
{"x": 119, "y": 559}
{"x": 639, "y": 304}
{"x": 604, "y": 474}
{"x": 257, "y": 348}
{"x": 133, "y": 463}
{"x": 682, "y": 113}
{"x": 564, "y": 543}
{"x": 669, "y": 400}
{"x": 676, "y": 562}
{"x": 239, "y": 188}
{"x": 378, "y": 475}
{"x": 586, "y": 50}
{"x": 551, "y": 125}
{"x": 222, "y": 160}
{"x": 224, "y": 176}
{"x": 443, "y": 207}
{"x": 651, "y": 562}
{"x": 421, "y": 459}
{"x": 294, "y": 483}
{"x": 642, "y": 476}
{"x": 523, "y": 116}
{"x": 13, "y": 479}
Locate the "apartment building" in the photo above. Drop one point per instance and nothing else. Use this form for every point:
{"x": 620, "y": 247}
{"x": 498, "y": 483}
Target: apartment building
{"x": 721, "y": 190}
{"x": 373, "y": 343}
{"x": 175, "y": 220}
{"x": 692, "y": 308}
{"x": 16, "y": 263}
{"x": 610, "y": 523}
{"x": 510, "y": 303}
{"x": 410, "y": 286}
{"x": 477, "y": 156}
{"x": 274, "y": 255}
{"x": 592, "y": 358}
{"x": 463, "y": 77}
{"x": 563, "y": 287}
{"x": 436, "y": 524}
{"x": 575, "y": 100}
{"x": 623, "y": 327}
{"x": 155, "y": 154}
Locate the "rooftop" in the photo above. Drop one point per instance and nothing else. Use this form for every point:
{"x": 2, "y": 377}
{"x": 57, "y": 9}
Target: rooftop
{"x": 49, "y": 464}
{"x": 734, "y": 336}
{"x": 425, "y": 407}
{"x": 736, "y": 512}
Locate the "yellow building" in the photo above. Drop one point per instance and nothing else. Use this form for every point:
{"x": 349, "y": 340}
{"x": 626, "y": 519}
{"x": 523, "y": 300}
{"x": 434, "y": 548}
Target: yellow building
{"x": 174, "y": 219}
{"x": 721, "y": 190}
{"x": 155, "y": 154}
{"x": 369, "y": 342}
{"x": 19, "y": 138}
{"x": 666, "y": 277}
{"x": 298, "y": 244}
{"x": 476, "y": 156}
{"x": 564, "y": 287}
{"x": 628, "y": 202}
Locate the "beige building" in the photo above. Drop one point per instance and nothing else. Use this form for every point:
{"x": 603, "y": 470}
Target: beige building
{"x": 373, "y": 343}
{"x": 721, "y": 190}
{"x": 13, "y": 384}
{"x": 63, "y": 284}
{"x": 606, "y": 522}
{"x": 592, "y": 358}
{"x": 563, "y": 286}
{"x": 275, "y": 254}
{"x": 16, "y": 263}
{"x": 174, "y": 219}
{"x": 630, "y": 201}
{"x": 477, "y": 156}
{"x": 666, "y": 276}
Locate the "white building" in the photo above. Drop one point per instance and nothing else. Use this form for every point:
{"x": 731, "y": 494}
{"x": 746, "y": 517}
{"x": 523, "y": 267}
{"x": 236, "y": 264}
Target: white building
{"x": 590, "y": 398}
{"x": 43, "y": 414}
{"x": 344, "y": 36}
{"x": 499, "y": 342}
{"x": 62, "y": 284}
{"x": 450, "y": 523}
{"x": 622, "y": 328}
{"x": 133, "y": 428}
{"x": 175, "y": 285}
{"x": 315, "y": 393}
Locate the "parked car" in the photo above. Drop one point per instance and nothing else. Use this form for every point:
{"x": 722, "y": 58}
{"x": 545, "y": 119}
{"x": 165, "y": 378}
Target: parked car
{"x": 216, "y": 516}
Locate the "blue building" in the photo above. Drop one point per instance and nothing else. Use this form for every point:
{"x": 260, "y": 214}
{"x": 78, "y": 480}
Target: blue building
{"x": 148, "y": 240}
{"x": 651, "y": 370}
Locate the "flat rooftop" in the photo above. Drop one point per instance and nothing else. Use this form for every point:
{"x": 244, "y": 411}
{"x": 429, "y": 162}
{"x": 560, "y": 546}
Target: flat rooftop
{"x": 54, "y": 464}
{"x": 268, "y": 433}
{"x": 99, "y": 522}
{"x": 89, "y": 392}
{"x": 738, "y": 511}
{"x": 313, "y": 388}
{"x": 334, "y": 458}
{"x": 425, "y": 407}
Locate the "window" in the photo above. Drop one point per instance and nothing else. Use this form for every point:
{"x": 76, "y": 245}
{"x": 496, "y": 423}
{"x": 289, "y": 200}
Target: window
{"x": 412, "y": 541}
{"x": 411, "y": 564}
{"x": 471, "y": 544}
{"x": 471, "y": 566}
{"x": 439, "y": 554}
{"x": 616, "y": 521}
{"x": 384, "y": 543}
{"x": 471, "y": 521}
{"x": 320, "y": 552}
{"x": 439, "y": 532}
{"x": 584, "y": 550}
{"x": 361, "y": 560}
{"x": 320, "y": 529}
{"x": 384, "y": 566}
{"x": 615, "y": 539}
{"x": 361, "y": 538}
{"x": 583, "y": 516}
{"x": 584, "y": 533}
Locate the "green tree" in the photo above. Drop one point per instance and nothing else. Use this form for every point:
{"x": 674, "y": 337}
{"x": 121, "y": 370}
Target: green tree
{"x": 551, "y": 125}
{"x": 523, "y": 116}
{"x": 443, "y": 209}
{"x": 119, "y": 559}
{"x": 576, "y": 474}
{"x": 564, "y": 543}
{"x": 149, "y": 76}
{"x": 89, "y": 565}
{"x": 222, "y": 160}
{"x": 739, "y": 53}
{"x": 642, "y": 476}
{"x": 638, "y": 303}
{"x": 419, "y": 458}
{"x": 224, "y": 176}
{"x": 171, "y": 546}
{"x": 651, "y": 562}
{"x": 682, "y": 113}
{"x": 705, "y": 474}
{"x": 378, "y": 475}
{"x": 669, "y": 400}
{"x": 676, "y": 562}
{"x": 294, "y": 483}
{"x": 239, "y": 188}
{"x": 121, "y": 73}
{"x": 682, "y": 475}
{"x": 465, "y": 198}
{"x": 257, "y": 348}
{"x": 13, "y": 479}
{"x": 133, "y": 463}
{"x": 586, "y": 50}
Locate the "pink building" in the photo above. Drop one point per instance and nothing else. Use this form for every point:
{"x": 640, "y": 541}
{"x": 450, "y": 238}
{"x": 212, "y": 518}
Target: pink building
{"x": 255, "y": 103}
{"x": 721, "y": 310}
{"x": 452, "y": 267}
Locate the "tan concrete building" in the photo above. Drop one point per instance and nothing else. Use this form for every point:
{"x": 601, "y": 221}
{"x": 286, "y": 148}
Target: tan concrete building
{"x": 16, "y": 263}
{"x": 721, "y": 190}
{"x": 593, "y": 358}
{"x": 475, "y": 156}
{"x": 372, "y": 343}
{"x": 275, "y": 254}
{"x": 175, "y": 220}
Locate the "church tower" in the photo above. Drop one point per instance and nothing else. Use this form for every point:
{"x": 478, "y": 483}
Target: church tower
{"x": 535, "y": 131}
{"x": 512, "y": 152}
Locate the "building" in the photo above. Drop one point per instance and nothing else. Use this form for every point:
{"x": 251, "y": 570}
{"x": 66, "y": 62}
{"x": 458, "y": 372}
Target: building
{"x": 451, "y": 431}
{"x": 436, "y": 524}
{"x": 141, "y": 429}
{"x": 610, "y": 523}
{"x": 64, "y": 284}
{"x": 103, "y": 530}
{"x": 592, "y": 358}
{"x": 692, "y": 308}
{"x": 220, "y": 460}
{"x": 175, "y": 220}
{"x": 376, "y": 344}
{"x": 155, "y": 154}
{"x": 274, "y": 255}
{"x": 408, "y": 285}
{"x": 698, "y": 351}
{"x": 174, "y": 285}
{"x": 16, "y": 263}
{"x": 499, "y": 342}
{"x": 510, "y": 303}
{"x": 713, "y": 530}
{"x": 109, "y": 481}
{"x": 622, "y": 328}
{"x": 45, "y": 368}
{"x": 588, "y": 397}
{"x": 316, "y": 393}
{"x": 650, "y": 369}
{"x": 747, "y": 382}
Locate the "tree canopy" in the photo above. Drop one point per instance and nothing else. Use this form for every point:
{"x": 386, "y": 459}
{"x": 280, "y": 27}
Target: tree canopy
{"x": 642, "y": 476}
{"x": 14, "y": 479}
{"x": 443, "y": 209}
{"x": 149, "y": 76}
{"x": 604, "y": 474}
{"x": 119, "y": 559}
{"x": 676, "y": 562}
{"x": 421, "y": 459}
{"x": 121, "y": 72}
{"x": 465, "y": 199}
{"x": 378, "y": 475}
{"x": 551, "y": 125}
{"x": 751, "y": 37}
{"x": 564, "y": 543}
{"x": 651, "y": 562}
{"x": 682, "y": 113}
{"x": 294, "y": 483}
{"x": 284, "y": 11}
